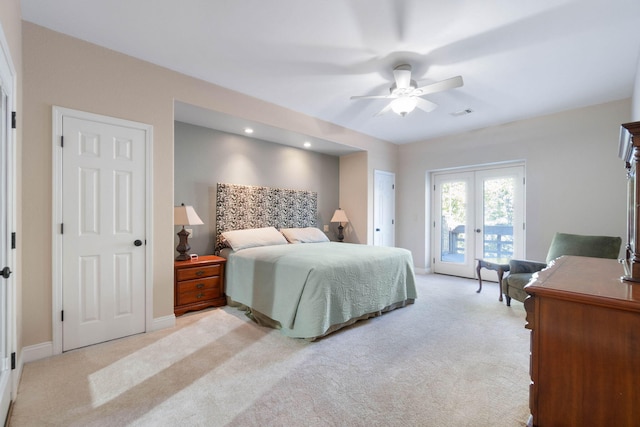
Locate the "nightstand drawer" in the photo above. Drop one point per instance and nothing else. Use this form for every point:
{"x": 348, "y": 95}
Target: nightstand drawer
{"x": 198, "y": 272}
{"x": 198, "y": 284}
{"x": 197, "y": 296}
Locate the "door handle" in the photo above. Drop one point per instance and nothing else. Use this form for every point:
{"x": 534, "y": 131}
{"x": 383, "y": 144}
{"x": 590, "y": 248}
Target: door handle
{"x": 377, "y": 229}
{"x": 5, "y": 272}
{"x": 138, "y": 242}
{"x": 478, "y": 230}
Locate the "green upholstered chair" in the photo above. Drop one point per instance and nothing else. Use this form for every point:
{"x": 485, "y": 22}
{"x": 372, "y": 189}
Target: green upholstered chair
{"x": 520, "y": 271}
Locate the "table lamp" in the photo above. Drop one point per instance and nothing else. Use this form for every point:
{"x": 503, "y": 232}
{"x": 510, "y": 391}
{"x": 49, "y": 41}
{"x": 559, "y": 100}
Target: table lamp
{"x": 184, "y": 215}
{"x": 340, "y": 216}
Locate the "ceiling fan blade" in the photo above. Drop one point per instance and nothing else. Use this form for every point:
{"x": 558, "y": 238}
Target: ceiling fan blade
{"x": 402, "y": 75}
{"x": 372, "y": 96}
{"x": 384, "y": 110}
{"x": 447, "y": 84}
{"x": 425, "y": 105}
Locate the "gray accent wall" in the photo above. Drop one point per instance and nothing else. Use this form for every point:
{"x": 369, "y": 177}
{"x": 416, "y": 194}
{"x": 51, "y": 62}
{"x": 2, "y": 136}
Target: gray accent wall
{"x": 203, "y": 157}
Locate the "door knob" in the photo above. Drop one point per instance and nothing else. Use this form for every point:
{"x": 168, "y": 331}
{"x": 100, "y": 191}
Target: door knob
{"x": 478, "y": 230}
{"x": 5, "y": 272}
{"x": 138, "y": 242}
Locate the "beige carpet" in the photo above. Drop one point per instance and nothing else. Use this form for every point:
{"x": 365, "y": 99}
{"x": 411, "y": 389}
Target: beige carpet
{"x": 454, "y": 358}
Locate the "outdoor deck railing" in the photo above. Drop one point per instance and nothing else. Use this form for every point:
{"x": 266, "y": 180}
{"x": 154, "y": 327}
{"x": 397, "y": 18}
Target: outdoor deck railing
{"x": 498, "y": 241}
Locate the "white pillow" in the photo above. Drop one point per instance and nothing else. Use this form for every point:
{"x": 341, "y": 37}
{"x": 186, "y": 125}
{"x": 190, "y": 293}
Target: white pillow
{"x": 304, "y": 235}
{"x": 250, "y": 238}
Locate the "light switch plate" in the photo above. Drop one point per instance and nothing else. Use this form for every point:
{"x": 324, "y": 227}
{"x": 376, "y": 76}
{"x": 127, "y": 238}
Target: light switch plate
{"x": 326, "y": 228}
{"x": 190, "y": 231}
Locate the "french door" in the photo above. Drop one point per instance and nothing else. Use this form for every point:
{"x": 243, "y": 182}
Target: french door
{"x": 477, "y": 214}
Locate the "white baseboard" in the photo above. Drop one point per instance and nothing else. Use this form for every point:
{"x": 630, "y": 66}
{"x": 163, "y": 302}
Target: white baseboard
{"x": 37, "y": 352}
{"x": 43, "y": 350}
{"x": 422, "y": 270}
{"x": 163, "y": 322}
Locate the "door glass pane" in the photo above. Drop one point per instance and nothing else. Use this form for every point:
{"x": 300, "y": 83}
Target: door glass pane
{"x": 498, "y": 212}
{"x": 453, "y": 217}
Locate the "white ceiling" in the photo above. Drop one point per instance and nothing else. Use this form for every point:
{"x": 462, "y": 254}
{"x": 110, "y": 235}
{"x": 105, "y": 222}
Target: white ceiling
{"x": 518, "y": 59}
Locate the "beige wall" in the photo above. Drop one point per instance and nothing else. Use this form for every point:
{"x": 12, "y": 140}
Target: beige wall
{"x": 383, "y": 160}
{"x": 60, "y": 70}
{"x": 356, "y": 189}
{"x": 575, "y": 180}
{"x": 204, "y": 157}
{"x": 353, "y": 195}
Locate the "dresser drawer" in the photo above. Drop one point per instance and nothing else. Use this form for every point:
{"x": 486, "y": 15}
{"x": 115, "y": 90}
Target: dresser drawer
{"x": 198, "y": 290}
{"x": 198, "y": 272}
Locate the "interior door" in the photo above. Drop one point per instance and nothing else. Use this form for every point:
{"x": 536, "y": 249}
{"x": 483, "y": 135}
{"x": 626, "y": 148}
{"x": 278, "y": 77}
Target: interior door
{"x": 384, "y": 203}
{"x": 477, "y": 214}
{"x": 103, "y": 231}
{"x": 6, "y": 261}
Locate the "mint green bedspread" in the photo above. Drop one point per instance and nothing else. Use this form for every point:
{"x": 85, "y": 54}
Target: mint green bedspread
{"x": 308, "y": 288}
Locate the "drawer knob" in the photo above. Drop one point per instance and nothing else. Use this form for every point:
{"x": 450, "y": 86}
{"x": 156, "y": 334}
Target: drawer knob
{"x": 200, "y": 285}
{"x": 199, "y": 295}
{"x": 199, "y": 272}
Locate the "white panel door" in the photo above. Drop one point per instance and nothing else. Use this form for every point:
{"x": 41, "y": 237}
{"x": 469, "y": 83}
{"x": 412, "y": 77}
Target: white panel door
{"x": 6, "y": 264}
{"x": 103, "y": 239}
{"x": 384, "y": 206}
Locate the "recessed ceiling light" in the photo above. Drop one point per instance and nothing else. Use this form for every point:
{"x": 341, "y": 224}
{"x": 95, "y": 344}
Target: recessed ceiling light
{"x": 248, "y": 131}
{"x": 307, "y": 144}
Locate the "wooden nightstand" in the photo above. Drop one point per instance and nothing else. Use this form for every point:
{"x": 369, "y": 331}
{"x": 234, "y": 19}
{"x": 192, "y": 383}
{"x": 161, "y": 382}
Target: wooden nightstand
{"x": 198, "y": 284}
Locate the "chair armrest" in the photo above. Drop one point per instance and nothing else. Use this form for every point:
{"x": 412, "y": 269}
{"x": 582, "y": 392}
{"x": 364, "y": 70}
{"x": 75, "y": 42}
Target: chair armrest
{"x": 525, "y": 266}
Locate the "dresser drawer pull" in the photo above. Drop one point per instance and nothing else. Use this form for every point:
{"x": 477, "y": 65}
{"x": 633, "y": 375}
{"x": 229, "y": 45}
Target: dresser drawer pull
{"x": 199, "y": 272}
{"x": 200, "y": 295}
{"x": 200, "y": 285}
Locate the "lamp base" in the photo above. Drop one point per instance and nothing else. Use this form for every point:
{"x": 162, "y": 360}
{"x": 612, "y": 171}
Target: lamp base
{"x": 340, "y": 235}
{"x": 183, "y": 247}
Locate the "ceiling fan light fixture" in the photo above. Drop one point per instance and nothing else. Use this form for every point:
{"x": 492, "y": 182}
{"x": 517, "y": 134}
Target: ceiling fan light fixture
{"x": 403, "y": 105}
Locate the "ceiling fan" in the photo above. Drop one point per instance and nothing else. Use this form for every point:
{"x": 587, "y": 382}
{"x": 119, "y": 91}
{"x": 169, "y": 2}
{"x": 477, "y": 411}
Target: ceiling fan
{"x": 406, "y": 95}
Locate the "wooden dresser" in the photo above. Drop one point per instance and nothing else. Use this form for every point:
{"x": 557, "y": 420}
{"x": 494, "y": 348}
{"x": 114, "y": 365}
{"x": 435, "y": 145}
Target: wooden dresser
{"x": 198, "y": 284}
{"x": 585, "y": 345}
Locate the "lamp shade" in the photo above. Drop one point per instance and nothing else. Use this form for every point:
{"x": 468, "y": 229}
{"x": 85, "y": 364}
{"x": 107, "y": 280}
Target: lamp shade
{"x": 404, "y": 105}
{"x": 339, "y": 216}
{"x": 185, "y": 215}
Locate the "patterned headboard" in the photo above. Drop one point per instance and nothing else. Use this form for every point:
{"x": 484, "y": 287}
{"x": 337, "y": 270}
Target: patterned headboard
{"x": 240, "y": 207}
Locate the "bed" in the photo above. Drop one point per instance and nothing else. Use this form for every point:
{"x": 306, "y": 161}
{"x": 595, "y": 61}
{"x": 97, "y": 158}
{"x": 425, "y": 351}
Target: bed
{"x": 288, "y": 275}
